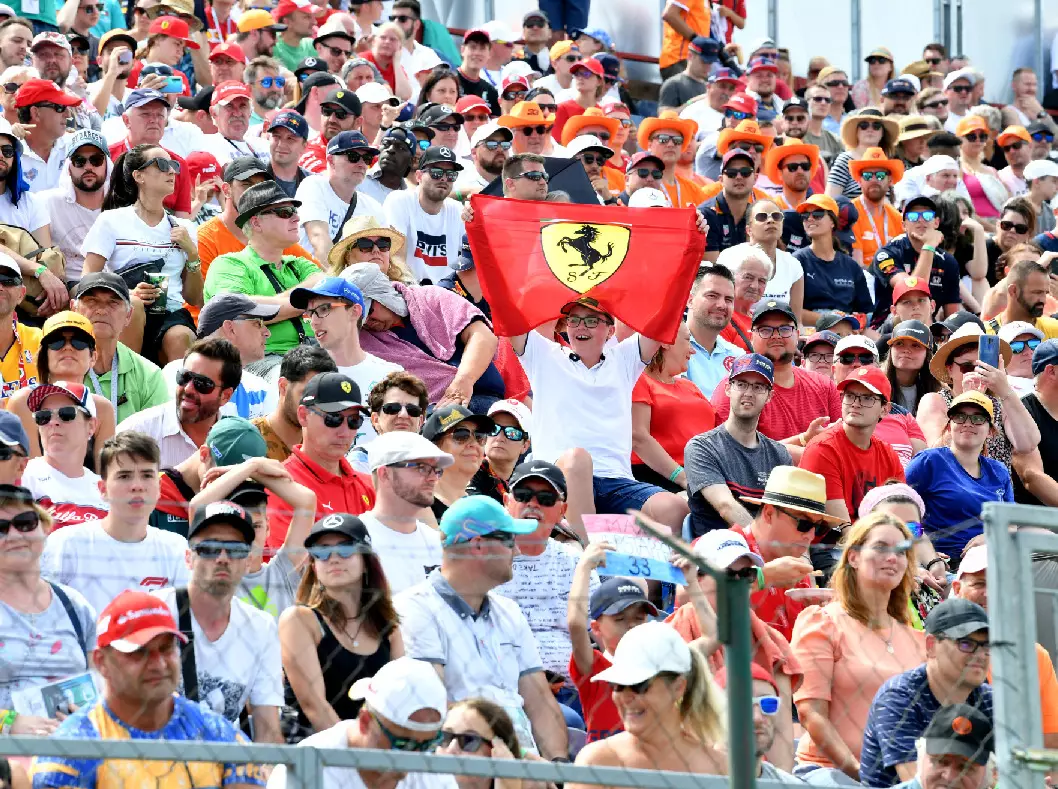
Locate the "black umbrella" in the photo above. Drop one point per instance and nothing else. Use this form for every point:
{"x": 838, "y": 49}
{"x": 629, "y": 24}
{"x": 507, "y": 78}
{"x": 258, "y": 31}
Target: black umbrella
{"x": 565, "y": 175}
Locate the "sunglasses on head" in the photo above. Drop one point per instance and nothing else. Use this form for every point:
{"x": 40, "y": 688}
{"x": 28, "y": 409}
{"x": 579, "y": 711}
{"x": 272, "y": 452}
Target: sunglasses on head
{"x": 738, "y": 115}
{"x": 469, "y": 742}
{"x": 447, "y": 127}
{"x": 926, "y": 216}
{"x": 77, "y": 343}
{"x": 411, "y": 409}
{"x": 327, "y": 111}
{"x": 793, "y": 167}
{"x": 1043, "y": 137}
{"x": 211, "y": 549}
{"x": 441, "y": 174}
{"x": 164, "y": 165}
{"x": 202, "y": 384}
{"x": 493, "y": 145}
{"x": 976, "y": 137}
{"x": 273, "y": 82}
{"x": 24, "y": 523}
{"x": 545, "y": 498}
{"x": 1018, "y": 227}
{"x": 961, "y": 88}
{"x": 382, "y": 244}
{"x": 763, "y": 216}
{"x": 874, "y": 125}
{"x": 529, "y": 131}
{"x": 333, "y": 421}
{"x": 79, "y": 161}
{"x": 1017, "y": 346}
{"x": 66, "y": 413}
{"x": 1014, "y": 146}
{"x": 342, "y": 550}
{"x": 646, "y": 172}
{"x": 665, "y": 139}
{"x": 462, "y": 435}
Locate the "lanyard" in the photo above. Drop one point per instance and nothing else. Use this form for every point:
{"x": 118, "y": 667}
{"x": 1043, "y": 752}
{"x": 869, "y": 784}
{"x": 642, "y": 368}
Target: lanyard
{"x": 250, "y": 152}
{"x": 882, "y": 239}
{"x": 113, "y": 382}
{"x": 213, "y": 25}
{"x": 23, "y": 380}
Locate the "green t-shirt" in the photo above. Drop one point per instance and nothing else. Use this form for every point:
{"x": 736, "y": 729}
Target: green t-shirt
{"x": 240, "y": 272}
{"x": 291, "y": 57}
{"x": 44, "y": 10}
{"x": 140, "y": 383}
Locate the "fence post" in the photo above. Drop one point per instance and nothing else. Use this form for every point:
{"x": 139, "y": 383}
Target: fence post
{"x": 738, "y": 653}
{"x": 854, "y": 37}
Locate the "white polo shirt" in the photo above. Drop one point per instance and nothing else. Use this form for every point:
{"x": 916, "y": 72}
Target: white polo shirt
{"x": 40, "y": 174}
{"x": 483, "y": 653}
{"x": 582, "y": 407}
{"x": 161, "y": 423}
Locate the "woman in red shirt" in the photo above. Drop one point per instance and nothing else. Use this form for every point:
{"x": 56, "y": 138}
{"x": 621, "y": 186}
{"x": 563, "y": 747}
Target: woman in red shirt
{"x": 667, "y": 412}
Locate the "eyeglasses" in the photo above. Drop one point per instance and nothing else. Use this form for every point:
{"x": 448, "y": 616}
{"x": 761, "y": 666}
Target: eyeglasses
{"x": 1014, "y": 146}
{"x": 468, "y": 741}
{"x": 273, "y": 82}
{"x": 763, "y": 216}
{"x": 462, "y": 435}
{"x": 866, "y": 400}
{"x": 514, "y": 95}
{"x": 533, "y": 175}
{"x": 327, "y": 111}
{"x": 1018, "y": 227}
{"x": 203, "y": 384}
{"x": 793, "y": 167}
{"x": 646, "y": 172}
{"x": 838, "y": 83}
{"x": 77, "y": 343}
{"x": 411, "y": 409}
{"x": 333, "y": 421}
{"x": 589, "y": 321}
{"x": 638, "y": 689}
{"x": 962, "y": 417}
{"x": 594, "y": 158}
{"x": 441, "y": 174}
{"x": 24, "y": 523}
{"x": 211, "y": 549}
{"x": 804, "y": 525}
{"x": 164, "y": 165}
{"x": 337, "y": 52}
{"x": 874, "y": 175}
{"x": 513, "y": 433}
{"x": 767, "y": 332}
{"x": 6, "y": 453}
{"x": 545, "y": 498}
{"x": 1017, "y": 346}
{"x": 748, "y": 147}
{"x": 873, "y": 125}
{"x": 745, "y": 386}
{"x": 425, "y": 469}
{"x": 355, "y": 157}
{"x": 324, "y": 310}
{"x": 736, "y": 172}
{"x": 79, "y": 161}
{"x": 961, "y": 88}
{"x": 925, "y": 216}
{"x": 529, "y": 131}
{"x": 820, "y": 356}
{"x": 1043, "y": 137}
{"x": 936, "y": 105}
{"x": 665, "y": 139}
{"x": 976, "y": 137}
{"x": 67, "y": 413}
{"x": 492, "y": 145}
{"x": 447, "y": 127}
{"x": 738, "y": 115}
{"x": 968, "y": 646}
{"x": 342, "y": 550}
{"x": 849, "y": 358}
{"x": 769, "y": 705}
{"x": 551, "y": 109}
{"x": 822, "y": 99}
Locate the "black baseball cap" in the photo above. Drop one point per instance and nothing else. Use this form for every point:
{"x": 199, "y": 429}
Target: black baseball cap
{"x": 439, "y": 155}
{"x": 539, "y": 469}
{"x": 1045, "y": 355}
{"x": 826, "y": 337}
{"x": 911, "y": 330}
{"x": 901, "y": 86}
{"x": 956, "y": 618}
{"x": 708, "y": 49}
{"x": 960, "y": 730}
{"x": 828, "y": 320}
{"x": 796, "y": 103}
{"x": 249, "y": 494}
{"x": 317, "y": 79}
{"x": 344, "y": 98}
{"x": 615, "y": 595}
{"x": 105, "y": 280}
{"x": 200, "y": 101}
{"x": 919, "y": 202}
{"x": 331, "y": 392}
{"x": 310, "y": 65}
{"x": 241, "y": 168}
{"x": 762, "y": 308}
{"x": 435, "y": 113}
{"x": 226, "y": 512}
{"x": 340, "y": 523}
{"x": 954, "y": 322}
{"x": 444, "y": 419}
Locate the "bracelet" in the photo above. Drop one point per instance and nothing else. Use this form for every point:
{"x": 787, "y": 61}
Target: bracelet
{"x": 7, "y": 721}
{"x": 760, "y": 578}
{"x": 928, "y": 248}
{"x": 933, "y": 561}
{"x": 40, "y": 270}
{"x": 675, "y": 473}
{"x": 801, "y": 440}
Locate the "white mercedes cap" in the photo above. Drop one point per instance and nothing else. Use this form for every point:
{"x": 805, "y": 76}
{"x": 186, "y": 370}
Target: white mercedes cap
{"x": 649, "y": 197}
{"x": 486, "y": 130}
{"x": 854, "y": 341}
{"x": 1010, "y": 331}
{"x": 724, "y": 547}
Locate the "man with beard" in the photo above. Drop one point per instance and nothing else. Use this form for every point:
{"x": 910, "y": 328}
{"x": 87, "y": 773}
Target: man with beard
{"x": 138, "y": 655}
{"x": 428, "y": 218}
{"x": 829, "y": 145}
{"x": 394, "y": 163}
{"x": 339, "y": 111}
{"x": 281, "y": 429}
{"x": 334, "y": 45}
{"x": 726, "y": 213}
{"x": 107, "y": 93}
{"x": 52, "y": 56}
{"x": 237, "y": 660}
{"x": 42, "y": 109}
{"x": 766, "y": 707}
{"x": 792, "y": 166}
{"x": 211, "y": 372}
{"x": 710, "y": 309}
{"x": 878, "y": 221}
{"x": 478, "y": 536}
{"x": 15, "y": 35}
{"x": 288, "y": 134}
{"x": 74, "y": 205}
{"x": 1027, "y": 290}
{"x": 230, "y": 110}
{"x": 266, "y": 87}
{"x": 257, "y": 33}
{"x": 490, "y": 147}
{"x": 897, "y": 95}
{"x": 405, "y": 468}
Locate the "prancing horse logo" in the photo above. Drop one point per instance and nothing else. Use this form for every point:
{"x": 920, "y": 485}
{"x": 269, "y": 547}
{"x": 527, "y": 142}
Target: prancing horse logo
{"x": 584, "y": 255}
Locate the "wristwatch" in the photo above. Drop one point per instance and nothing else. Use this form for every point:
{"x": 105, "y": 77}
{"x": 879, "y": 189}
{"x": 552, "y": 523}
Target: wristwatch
{"x": 193, "y": 265}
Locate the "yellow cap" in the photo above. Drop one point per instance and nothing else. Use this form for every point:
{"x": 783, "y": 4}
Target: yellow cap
{"x": 67, "y": 320}
{"x": 976, "y": 398}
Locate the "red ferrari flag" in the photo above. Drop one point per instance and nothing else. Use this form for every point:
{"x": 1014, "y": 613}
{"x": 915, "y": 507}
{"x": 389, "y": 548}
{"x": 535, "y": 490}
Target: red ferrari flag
{"x": 533, "y": 257}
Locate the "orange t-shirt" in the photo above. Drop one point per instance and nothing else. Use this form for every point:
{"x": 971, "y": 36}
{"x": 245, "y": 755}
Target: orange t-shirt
{"x": 684, "y": 193}
{"x": 870, "y": 238}
{"x": 1048, "y": 689}
{"x": 678, "y": 412}
{"x": 697, "y": 15}
{"x": 615, "y": 179}
{"x": 215, "y": 239}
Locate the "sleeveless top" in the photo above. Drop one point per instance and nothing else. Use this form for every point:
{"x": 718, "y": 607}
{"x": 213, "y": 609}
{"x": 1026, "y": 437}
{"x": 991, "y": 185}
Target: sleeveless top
{"x": 998, "y": 445}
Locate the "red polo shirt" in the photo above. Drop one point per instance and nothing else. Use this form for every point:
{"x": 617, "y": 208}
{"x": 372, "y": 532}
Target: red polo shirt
{"x": 772, "y": 605}
{"x": 315, "y": 157}
{"x": 180, "y": 200}
{"x": 347, "y": 491}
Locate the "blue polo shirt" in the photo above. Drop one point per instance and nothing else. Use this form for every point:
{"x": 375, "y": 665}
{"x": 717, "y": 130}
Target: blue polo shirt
{"x": 899, "y": 714}
{"x": 707, "y": 369}
{"x": 835, "y": 285}
{"x": 724, "y": 231}
{"x": 898, "y": 256}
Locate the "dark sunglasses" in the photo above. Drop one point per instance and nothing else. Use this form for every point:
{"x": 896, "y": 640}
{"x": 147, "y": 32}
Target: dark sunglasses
{"x": 822, "y": 99}
{"x": 6, "y": 453}
{"x": 24, "y": 523}
{"x": 925, "y": 216}
{"x": 754, "y": 147}
{"x": 441, "y": 174}
{"x": 77, "y": 343}
{"x": 411, "y": 409}
{"x": 545, "y": 498}
{"x": 462, "y": 435}
{"x": 551, "y": 109}
{"x": 468, "y": 741}
{"x": 936, "y": 105}
{"x": 513, "y": 433}
{"x": 367, "y": 244}
{"x": 535, "y": 24}
{"x": 965, "y": 367}
{"x": 738, "y": 115}
{"x": 7, "y": 151}
{"x": 283, "y": 211}
{"x": 804, "y": 526}
{"x": 335, "y": 52}
{"x": 571, "y": 59}
{"x": 817, "y": 213}
{"x": 793, "y": 167}
{"x": 646, "y": 172}
{"x": 58, "y": 108}
{"x": 594, "y": 158}
{"x": 164, "y": 165}
{"x": 774, "y": 216}
{"x": 735, "y": 172}
{"x": 1014, "y": 146}
{"x": 514, "y": 95}
{"x": 203, "y": 384}
{"x": 342, "y": 550}
{"x": 533, "y": 175}
{"x": 1043, "y": 137}
{"x": 864, "y": 125}
{"x": 665, "y": 139}
{"x": 476, "y": 118}
{"x": 639, "y": 688}
{"x": 67, "y": 413}
{"x": 79, "y": 161}
{"x": 492, "y": 145}
{"x": 933, "y": 61}
{"x": 1017, "y": 346}
{"x": 353, "y": 421}
{"x": 327, "y": 110}
{"x": 874, "y": 60}
{"x": 211, "y": 549}
{"x": 447, "y": 127}
{"x": 961, "y": 88}
{"x": 976, "y": 137}
{"x": 355, "y": 157}
{"x": 506, "y": 538}
{"x": 838, "y": 83}
{"x": 1018, "y": 227}
{"x": 12, "y": 87}
{"x": 529, "y": 131}
{"x": 862, "y": 358}
{"x": 401, "y": 18}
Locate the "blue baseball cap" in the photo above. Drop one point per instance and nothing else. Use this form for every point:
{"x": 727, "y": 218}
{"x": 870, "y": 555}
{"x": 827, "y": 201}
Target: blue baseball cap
{"x": 898, "y": 87}
{"x": 476, "y": 516}
{"x": 292, "y": 121}
{"x": 597, "y": 33}
{"x": 611, "y": 65}
{"x": 349, "y": 141}
{"x": 753, "y": 363}
{"x": 330, "y": 287}
{"x": 707, "y": 48}
{"x": 1045, "y": 355}
{"x": 615, "y": 595}
{"x": 723, "y": 74}
{"x": 12, "y": 434}
{"x": 826, "y": 337}
{"x": 465, "y": 261}
{"x": 141, "y": 96}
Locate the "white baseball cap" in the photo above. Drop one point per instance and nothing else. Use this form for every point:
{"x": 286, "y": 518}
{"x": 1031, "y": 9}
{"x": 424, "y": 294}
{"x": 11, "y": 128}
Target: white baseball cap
{"x": 1009, "y": 331}
{"x": 399, "y": 446}
{"x": 425, "y": 59}
{"x": 856, "y": 341}
{"x": 974, "y": 561}
{"x": 517, "y": 68}
{"x": 500, "y": 32}
{"x": 967, "y": 74}
{"x": 587, "y": 142}
{"x": 938, "y": 164}
{"x": 644, "y": 652}
{"x": 376, "y": 93}
{"x": 486, "y": 130}
{"x": 649, "y": 197}
{"x": 724, "y": 547}
{"x": 517, "y": 409}
{"x": 1039, "y": 168}
{"x": 401, "y": 688}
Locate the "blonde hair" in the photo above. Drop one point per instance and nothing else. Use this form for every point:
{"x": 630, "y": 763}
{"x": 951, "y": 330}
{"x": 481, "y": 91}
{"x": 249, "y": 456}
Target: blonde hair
{"x": 845, "y": 581}
{"x": 45, "y": 519}
{"x": 397, "y": 272}
{"x": 703, "y": 708}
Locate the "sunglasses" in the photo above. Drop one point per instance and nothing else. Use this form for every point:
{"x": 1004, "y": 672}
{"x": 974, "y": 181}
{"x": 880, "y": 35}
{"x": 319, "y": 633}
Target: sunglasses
{"x": 1043, "y": 137}
{"x": 79, "y": 51}
{"x": 440, "y": 174}
{"x": 203, "y": 384}
{"x": 342, "y": 550}
{"x": 793, "y": 167}
{"x": 594, "y": 158}
{"x": 411, "y": 409}
{"x": 874, "y": 125}
{"x": 447, "y": 127}
{"x": 67, "y": 413}
{"x": 665, "y": 139}
{"x": 79, "y": 161}
{"x": 283, "y": 211}
{"x": 533, "y": 175}
{"x": 838, "y": 83}
{"x": 273, "y": 82}
{"x": 164, "y": 165}
{"x": 735, "y": 172}
{"x": 402, "y": 18}
{"x": 476, "y": 118}
{"x": 638, "y": 689}
{"x": 535, "y": 24}
{"x": 12, "y": 87}
{"x": 874, "y": 175}
{"x": 961, "y": 418}
{"x": 925, "y": 216}
{"x": 960, "y": 88}
{"x": 822, "y": 99}
{"x": 804, "y": 526}
{"x": 423, "y": 144}
{"x": 763, "y": 216}
{"x": 211, "y": 549}
{"x": 754, "y": 147}
{"x": 545, "y": 498}
{"x": 933, "y": 61}
{"x": 645, "y": 172}
{"x": 514, "y": 95}
{"x": 335, "y": 52}
{"x": 461, "y": 435}
{"x": 769, "y": 705}
{"x": 355, "y": 157}
{"x": 468, "y": 741}
{"x": 382, "y": 244}
{"x": 493, "y": 145}
{"x": 513, "y": 433}
{"x": 1017, "y": 346}
{"x": 327, "y": 111}
{"x": 77, "y": 343}
{"x": 97, "y": 7}
{"x": 1014, "y": 146}
{"x": 7, "y": 151}
{"x": 1018, "y": 227}
{"x": 589, "y": 321}
{"x": 738, "y": 115}
{"x": 324, "y": 310}
{"x": 425, "y": 469}
{"x": 862, "y": 358}
{"x": 58, "y": 108}
{"x": 24, "y": 523}
{"x": 965, "y": 367}
{"x": 333, "y": 421}
{"x": 976, "y": 137}
{"x": 529, "y": 131}
{"x": 551, "y": 109}
{"x": 874, "y": 60}
{"x": 936, "y": 105}
{"x": 817, "y": 213}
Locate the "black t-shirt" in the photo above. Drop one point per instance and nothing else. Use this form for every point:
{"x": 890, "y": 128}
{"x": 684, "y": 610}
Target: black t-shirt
{"x": 899, "y": 256}
{"x": 993, "y": 250}
{"x": 482, "y": 89}
{"x": 1048, "y": 447}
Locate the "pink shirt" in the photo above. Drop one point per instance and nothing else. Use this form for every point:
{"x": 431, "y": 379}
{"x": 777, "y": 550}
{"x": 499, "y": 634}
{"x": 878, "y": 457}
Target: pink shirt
{"x": 982, "y": 205}
{"x": 791, "y": 409}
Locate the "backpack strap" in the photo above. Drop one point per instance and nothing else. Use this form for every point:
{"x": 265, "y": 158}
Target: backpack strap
{"x": 71, "y": 612}
{"x": 187, "y": 651}
{"x": 273, "y": 280}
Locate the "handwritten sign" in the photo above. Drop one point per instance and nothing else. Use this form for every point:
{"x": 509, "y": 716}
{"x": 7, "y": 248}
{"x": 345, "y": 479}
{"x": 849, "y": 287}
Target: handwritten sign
{"x": 623, "y": 534}
{"x": 629, "y": 566}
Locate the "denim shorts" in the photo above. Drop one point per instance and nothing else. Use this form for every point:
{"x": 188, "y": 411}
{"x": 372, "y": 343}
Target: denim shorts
{"x": 617, "y": 495}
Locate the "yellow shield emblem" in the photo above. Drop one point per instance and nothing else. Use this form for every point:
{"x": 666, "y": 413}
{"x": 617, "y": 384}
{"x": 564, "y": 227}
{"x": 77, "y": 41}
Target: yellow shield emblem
{"x": 584, "y": 255}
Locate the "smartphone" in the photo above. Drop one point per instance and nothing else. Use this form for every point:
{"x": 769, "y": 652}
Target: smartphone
{"x": 988, "y": 349}
{"x": 173, "y": 85}
{"x": 1054, "y": 266}
{"x": 125, "y": 57}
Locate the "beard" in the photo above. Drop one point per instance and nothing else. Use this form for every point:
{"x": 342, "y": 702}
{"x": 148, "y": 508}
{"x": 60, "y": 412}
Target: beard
{"x": 410, "y": 493}
{"x": 80, "y": 185}
{"x": 289, "y": 409}
{"x": 270, "y": 102}
{"x": 779, "y": 357}
{"x": 492, "y": 168}
{"x": 1035, "y": 310}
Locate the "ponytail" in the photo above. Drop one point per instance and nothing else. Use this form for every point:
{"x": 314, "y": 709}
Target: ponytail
{"x": 703, "y": 709}
{"x": 123, "y": 189}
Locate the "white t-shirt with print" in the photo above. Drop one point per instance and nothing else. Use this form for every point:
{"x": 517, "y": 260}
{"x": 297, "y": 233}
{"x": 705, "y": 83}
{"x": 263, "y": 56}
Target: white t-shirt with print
{"x": 241, "y": 666}
{"x": 787, "y": 271}
{"x": 435, "y": 238}
{"x": 406, "y": 558}
{"x": 319, "y": 203}
{"x": 123, "y": 240}
{"x": 69, "y": 500}
{"x": 100, "y": 567}
{"x": 366, "y": 374}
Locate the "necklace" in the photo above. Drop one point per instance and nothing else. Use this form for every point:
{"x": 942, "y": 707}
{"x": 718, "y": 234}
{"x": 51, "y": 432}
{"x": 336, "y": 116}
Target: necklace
{"x": 889, "y": 639}
{"x": 357, "y": 632}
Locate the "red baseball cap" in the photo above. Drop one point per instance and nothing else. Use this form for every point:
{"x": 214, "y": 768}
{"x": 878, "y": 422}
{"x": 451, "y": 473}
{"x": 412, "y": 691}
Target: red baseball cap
{"x": 229, "y": 49}
{"x": 468, "y": 103}
{"x": 742, "y": 102}
{"x": 514, "y": 79}
{"x": 640, "y": 156}
{"x": 227, "y": 91}
{"x": 37, "y": 91}
{"x": 591, "y": 64}
{"x": 907, "y": 285}
{"x": 286, "y": 6}
{"x": 172, "y": 26}
{"x": 872, "y": 378}
{"x": 202, "y": 166}
{"x": 132, "y": 619}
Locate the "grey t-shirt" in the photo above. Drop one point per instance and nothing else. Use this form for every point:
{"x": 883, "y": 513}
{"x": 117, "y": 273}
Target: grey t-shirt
{"x": 828, "y": 144}
{"x": 678, "y": 90}
{"x": 715, "y": 458}
{"x": 272, "y": 588}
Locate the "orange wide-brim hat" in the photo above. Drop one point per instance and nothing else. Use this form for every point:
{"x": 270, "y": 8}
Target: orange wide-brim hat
{"x": 773, "y": 158}
{"x": 746, "y": 130}
{"x": 667, "y": 121}
{"x": 591, "y": 117}
{"x": 525, "y": 113}
{"x": 875, "y": 159}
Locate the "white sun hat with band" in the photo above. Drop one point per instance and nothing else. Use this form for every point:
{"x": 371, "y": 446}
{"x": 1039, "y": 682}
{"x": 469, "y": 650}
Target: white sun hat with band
{"x": 796, "y": 489}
